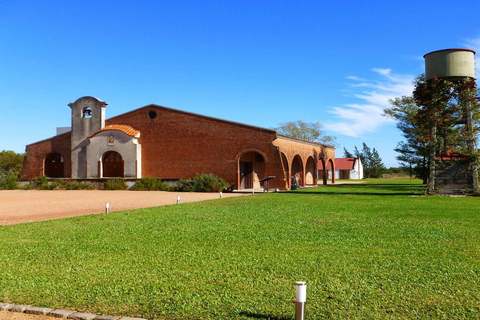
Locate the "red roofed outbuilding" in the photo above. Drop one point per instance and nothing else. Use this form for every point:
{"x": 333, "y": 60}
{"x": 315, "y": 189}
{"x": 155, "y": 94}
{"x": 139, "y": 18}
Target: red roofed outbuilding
{"x": 345, "y": 168}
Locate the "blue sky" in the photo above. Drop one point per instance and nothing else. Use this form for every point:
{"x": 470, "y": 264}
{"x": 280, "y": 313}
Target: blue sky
{"x": 255, "y": 62}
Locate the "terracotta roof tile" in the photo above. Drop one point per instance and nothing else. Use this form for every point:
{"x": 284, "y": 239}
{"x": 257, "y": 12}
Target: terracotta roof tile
{"x": 119, "y": 127}
{"x": 340, "y": 164}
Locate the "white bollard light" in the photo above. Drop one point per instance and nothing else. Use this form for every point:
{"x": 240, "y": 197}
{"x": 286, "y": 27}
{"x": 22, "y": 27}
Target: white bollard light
{"x": 301, "y": 298}
{"x": 107, "y": 207}
{"x": 178, "y": 199}
{"x": 253, "y": 191}
{"x": 221, "y": 195}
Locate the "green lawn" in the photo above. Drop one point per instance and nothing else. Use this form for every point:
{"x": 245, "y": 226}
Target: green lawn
{"x": 372, "y": 251}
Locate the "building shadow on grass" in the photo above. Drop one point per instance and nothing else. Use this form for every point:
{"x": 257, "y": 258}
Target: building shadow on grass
{"x": 262, "y": 316}
{"x": 370, "y": 189}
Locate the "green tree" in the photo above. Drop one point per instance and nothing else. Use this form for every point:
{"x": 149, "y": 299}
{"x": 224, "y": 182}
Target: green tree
{"x": 372, "y": 163}
{"x": 434, "y": 104}
{"x": 11, "y": 162}
{"x": 309, "y": 131}
{"x": 413, "y": 151}
{"x": 346, "y": 153}
{"x": 377, "y": 168}
{"x": 10, "y": 168}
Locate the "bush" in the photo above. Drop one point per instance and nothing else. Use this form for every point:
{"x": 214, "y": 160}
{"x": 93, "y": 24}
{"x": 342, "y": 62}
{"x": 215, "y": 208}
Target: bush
{"x": 153, "y": 184}
{"x": 146, "y": 184}
{"x": 203, "y": 183}
{"x": 41, "y": 183}
{"x": 8, "y": 181}
{"x": 74, "y": 185}
{"x": 115, "y": 184}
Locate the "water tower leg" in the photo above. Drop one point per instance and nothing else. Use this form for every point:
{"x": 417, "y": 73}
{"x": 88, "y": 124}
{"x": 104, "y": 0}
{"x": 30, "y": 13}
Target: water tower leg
{"x": 431, "y": 165}
{"x": 472, "y": 176}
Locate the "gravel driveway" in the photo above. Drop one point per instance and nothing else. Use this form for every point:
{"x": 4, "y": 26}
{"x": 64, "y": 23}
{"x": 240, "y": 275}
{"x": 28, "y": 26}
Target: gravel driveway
{"x": 20, "y": 206}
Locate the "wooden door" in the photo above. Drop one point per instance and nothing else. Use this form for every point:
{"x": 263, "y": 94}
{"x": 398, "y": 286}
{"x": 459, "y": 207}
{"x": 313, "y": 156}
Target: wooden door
{"x": 113, "y": 165}
{"x": 246, "y": 175}
{"x": 54, "y": 166}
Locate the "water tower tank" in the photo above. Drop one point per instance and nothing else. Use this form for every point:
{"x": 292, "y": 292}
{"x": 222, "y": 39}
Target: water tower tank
{"x": 450, "y": 64}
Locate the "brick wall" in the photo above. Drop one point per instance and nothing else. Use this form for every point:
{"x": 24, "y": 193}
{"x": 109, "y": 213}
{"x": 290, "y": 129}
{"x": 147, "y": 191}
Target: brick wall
{"x": 177, "y": 144}
{"x": 33, "y": 164}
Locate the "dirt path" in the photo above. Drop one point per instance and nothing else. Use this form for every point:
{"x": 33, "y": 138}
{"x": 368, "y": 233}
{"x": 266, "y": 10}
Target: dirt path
{"x": 7, "y": 315}
{"x": 20, "y": 206}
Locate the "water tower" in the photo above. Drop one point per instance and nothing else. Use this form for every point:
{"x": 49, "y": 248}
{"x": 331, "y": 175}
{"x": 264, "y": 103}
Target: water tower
{"x": 455, "y": 65}
{"x": 450, "y": 64}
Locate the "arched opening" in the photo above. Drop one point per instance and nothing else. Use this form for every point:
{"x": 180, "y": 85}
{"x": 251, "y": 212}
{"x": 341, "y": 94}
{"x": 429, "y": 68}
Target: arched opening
{"x": 297, "y": 171}
{"x": 87, "y": 112}
{"x": 286, "y": 170}
{"x": 310, "y": 175}
{"x": 113, "y": 165}
{"x": 54, "y": 165}
{"x": 251, "y": 167}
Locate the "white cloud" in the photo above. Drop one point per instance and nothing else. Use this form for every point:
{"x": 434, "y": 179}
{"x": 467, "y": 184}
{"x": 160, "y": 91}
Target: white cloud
{"x": 356, "y": 78}
{"x": 474, "y": 44}
{"x": 367, "y": 115}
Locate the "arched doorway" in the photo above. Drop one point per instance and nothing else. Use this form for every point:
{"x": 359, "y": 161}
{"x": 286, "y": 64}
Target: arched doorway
{"x": 251, "y": 167}
{"x": 113, "y": 164}
{"x": 54, "y": 166}
{"x": 297, "y": 171}
{"x": 310, "y": 174}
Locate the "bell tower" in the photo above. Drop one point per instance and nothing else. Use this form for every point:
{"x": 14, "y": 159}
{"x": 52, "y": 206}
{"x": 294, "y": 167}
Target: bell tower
{"x": 88, "y": 116}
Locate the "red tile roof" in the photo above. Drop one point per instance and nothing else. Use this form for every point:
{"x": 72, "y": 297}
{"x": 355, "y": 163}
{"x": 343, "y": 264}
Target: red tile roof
{"x": 451, "y": 156}
{"x": 340, "y": 164}
{"x": 119, "y": 127}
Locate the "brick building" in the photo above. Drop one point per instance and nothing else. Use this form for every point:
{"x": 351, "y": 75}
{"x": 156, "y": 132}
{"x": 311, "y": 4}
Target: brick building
{"x": 170, "y": 144}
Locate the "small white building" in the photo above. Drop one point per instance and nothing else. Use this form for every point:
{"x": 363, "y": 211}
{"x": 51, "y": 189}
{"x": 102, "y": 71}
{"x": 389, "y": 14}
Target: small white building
{"x": 345, "y": 168}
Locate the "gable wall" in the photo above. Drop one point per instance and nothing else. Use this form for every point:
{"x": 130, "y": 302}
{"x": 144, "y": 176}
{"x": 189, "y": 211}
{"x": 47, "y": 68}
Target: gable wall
{"x": 35, "y": 156}
{"x": 181, "y": 145}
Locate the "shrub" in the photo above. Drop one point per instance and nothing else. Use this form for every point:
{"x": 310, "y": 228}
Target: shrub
{"x": 40, "y": 183}
{"x": 203, "y": 183}
{"x": 8, "y": 181}
{"x": 153, "y": 184}
{"x": 146, "y": 184}
{"x": 74, "y": 185}
{"x": 163, "y": 186}
{"x": 115, "y": 184}
{"x": 230, "y": 188}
